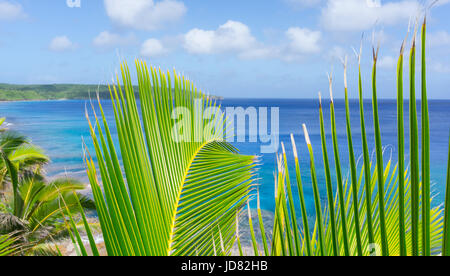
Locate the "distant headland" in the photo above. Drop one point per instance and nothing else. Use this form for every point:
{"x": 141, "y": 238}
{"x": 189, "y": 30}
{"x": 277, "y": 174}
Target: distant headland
{"x": 43, "y": 92}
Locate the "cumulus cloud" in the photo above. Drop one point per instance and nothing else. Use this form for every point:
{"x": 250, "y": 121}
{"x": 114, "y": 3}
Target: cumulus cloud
{"x": 357, "y": 15}
{"x": 303, "y": 40}
{"x": 107, "y": 40}
{"x": 153, "y": 48}
{"x": 236, "y": 37}
{"x": 387, "y": 62}
{"x": 144, "y": 14}
{"x": 11, "y": 11}
{"x": 61, "y": 44}
{"x": 231, "y": 36}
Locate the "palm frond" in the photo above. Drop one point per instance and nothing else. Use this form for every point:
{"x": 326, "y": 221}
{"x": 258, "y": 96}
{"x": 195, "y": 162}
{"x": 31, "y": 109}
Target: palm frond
{"x": 2, "y": 120}
{"x": 379, "y": 210}
{"x": 426, "y": 190}
{"x": 28, "y": 155}
{"x": 10, "y": 141}
{"x": 446, "y": 239}
{"x": 174, "y": 195}
{"x": 8, "y": 245}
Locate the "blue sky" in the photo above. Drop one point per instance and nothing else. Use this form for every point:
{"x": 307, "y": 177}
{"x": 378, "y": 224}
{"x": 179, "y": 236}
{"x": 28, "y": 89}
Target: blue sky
{"x": 251, "y": 48}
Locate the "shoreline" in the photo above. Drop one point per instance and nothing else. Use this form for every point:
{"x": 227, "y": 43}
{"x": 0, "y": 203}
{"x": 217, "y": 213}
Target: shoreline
{"x": 43, "y": 100}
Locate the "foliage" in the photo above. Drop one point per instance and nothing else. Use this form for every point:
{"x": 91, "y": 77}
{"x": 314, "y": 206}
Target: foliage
{"x": 16, "y": 150}
{"x": 178, "y": 196}
{"x": 11, "y": 92}
{"x": 31, "y": 209}
{"x": 2, "y": 120}
{"x": 380, "y": 209}
{"x": 39, "y": 216}
{"x": 7, "y": 245}
{"x": 446, "y": 242}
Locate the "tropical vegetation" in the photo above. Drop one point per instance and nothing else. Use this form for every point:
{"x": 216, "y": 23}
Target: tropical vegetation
{"x": 176, "y": 194}
{"x": 36, "y": 92}
{"x": 380, "y": 209}
{"x": 15, "y": 92}
{"x": 32, "y": 208}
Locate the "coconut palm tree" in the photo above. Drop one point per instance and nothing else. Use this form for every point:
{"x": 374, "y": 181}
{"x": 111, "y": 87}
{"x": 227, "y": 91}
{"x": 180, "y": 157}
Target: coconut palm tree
{"x": 39, "y": 216}
{"x": 24, "y": 156}
{"x": 32, "y": 208}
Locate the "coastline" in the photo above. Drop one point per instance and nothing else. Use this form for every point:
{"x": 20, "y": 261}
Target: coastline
{"x": 42, "y": 100}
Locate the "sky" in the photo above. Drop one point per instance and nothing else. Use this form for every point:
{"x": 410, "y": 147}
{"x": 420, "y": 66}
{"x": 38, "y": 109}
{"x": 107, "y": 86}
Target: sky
{"x": 232, "y": 48}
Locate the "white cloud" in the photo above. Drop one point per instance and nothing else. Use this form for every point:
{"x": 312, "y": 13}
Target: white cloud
{"x": 198, "y": 41}
{"x": 441, "y": 38}
{"x": 11, "y": 11}
{"x": 152, "y": 48}
{"x": 230, "y": 37}
{"x": 357, "y": 15}
{"x": 61, "y": 44}
{"x": 107, "y": 40}
{"x": 387, "y": 62}
{"x": 236, "y": 37}
{"x": 144, "y": 14}
{"x": 303, "y": 40}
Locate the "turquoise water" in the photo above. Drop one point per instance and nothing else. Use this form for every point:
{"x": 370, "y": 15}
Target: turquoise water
{"x": 58, "y": 127}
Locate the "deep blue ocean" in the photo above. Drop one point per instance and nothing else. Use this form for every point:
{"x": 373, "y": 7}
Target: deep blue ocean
{"x": 58, "y": 127}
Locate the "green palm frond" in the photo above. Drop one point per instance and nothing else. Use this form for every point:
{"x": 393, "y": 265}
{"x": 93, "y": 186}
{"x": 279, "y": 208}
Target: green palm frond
{"x": 391, "y": 199}
{"x": 380, "y": 209}
{"x": 10, "y": 141}
{"x": 28, "y": 155}
{"x": 446, "y": 239}
{"x": 8, "y": 246}
{"x": 52, "y": 190}
{"x": 39, "y": 206}
{"x": 44, "y": 205}
{"x": 44, "y": 250}
{"x": 18, "y": 158}
{"x": 180, "y": 186}
{"x": 2, "y": 120}
{"x": 33, "y": 203}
